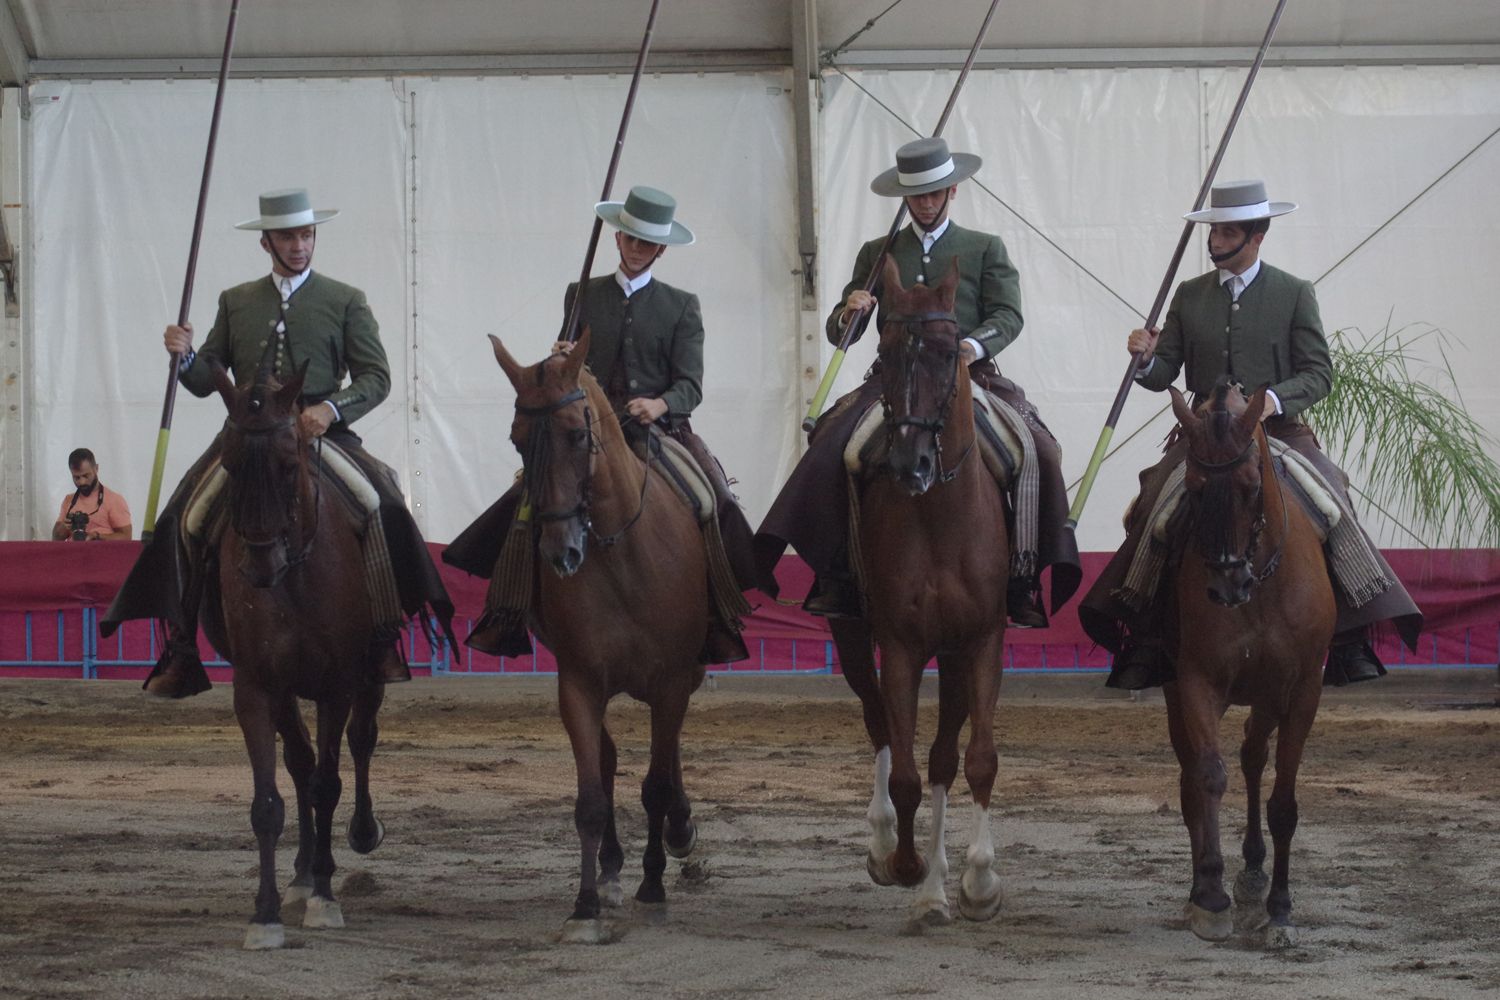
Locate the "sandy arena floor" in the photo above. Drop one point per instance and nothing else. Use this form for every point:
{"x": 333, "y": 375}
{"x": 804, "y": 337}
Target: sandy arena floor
{"x": 129, "y": 865}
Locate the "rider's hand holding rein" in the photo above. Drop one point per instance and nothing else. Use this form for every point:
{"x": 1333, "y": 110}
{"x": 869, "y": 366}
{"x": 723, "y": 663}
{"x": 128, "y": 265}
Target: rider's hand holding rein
{"x": 1143, "y": 342}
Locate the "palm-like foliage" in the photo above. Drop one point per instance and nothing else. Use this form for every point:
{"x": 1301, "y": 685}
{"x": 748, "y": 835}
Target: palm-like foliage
{"x": 1397, "y": 422}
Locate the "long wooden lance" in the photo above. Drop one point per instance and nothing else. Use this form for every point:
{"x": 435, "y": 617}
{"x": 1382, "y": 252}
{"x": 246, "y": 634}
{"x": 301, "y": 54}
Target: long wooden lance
{"x": 570, "y": 329}
{"x": 1102, "y": 447}
{"x": 856, "y": 324}
{"x": 165, "y": 433}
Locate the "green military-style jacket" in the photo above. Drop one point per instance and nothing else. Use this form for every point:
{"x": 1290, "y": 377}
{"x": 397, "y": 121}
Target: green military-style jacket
{"x": 988, "y": 301}
{"x": 328, "y": 325}
{"x": 1272, "y": 336}
{"x": 657, "y": 334}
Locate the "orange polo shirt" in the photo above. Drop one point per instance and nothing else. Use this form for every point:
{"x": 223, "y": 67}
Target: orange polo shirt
{"x": 107, "y": 511}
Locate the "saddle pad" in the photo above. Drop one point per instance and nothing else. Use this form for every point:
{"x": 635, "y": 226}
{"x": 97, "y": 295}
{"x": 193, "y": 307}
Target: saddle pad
{"x": 686, "y": 477}
{"x": 337, "y": 465}
{"x": 997, "y": 442}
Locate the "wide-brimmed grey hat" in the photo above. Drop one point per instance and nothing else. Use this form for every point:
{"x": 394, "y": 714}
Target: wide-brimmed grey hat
{"x": 288, "y": 209}
{"x": 924, "y": 165}
{"x": 1240, "y": 201}
{"x": 646, "y": 214}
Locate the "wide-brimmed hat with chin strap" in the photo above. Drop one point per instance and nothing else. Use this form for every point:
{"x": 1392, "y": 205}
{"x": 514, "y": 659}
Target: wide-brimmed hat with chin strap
{"x": 925, "y": 165}
{"x": 647, "y": 214}
{"x": 288, "y": 209}
{"x": 1240, "y": 201}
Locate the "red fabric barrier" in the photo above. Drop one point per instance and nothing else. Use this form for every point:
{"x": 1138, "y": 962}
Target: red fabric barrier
{"x": 1459, "y": 590}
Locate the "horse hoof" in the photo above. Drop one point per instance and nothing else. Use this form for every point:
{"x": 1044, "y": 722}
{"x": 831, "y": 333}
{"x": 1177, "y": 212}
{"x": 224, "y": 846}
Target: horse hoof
{"x": 364, "y": 844}
{"x": 323, "y": 914}
{"x": 1251, "y": 888}
{"x": 1280, "y": 937}
{"x": 264, "y": 937}
{"x": 981, "y": 906}
{"x": 682, "y": 852}
{"x": 1210, "y": 926}
{"x": 588, "y": 932}
{"x": 880, "y": 872}
{"x": 296, "y": 894}
{"x": 611, "y": 894}
{"x": 694, "y": 870}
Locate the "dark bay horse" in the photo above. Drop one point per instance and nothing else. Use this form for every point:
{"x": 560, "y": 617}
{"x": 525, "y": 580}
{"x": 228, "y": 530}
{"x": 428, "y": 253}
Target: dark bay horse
{"x": 935, "y": 554}
{"x": 622, "y": 601}
{"x": 1255, "y": 613}
{"x": 290, "y": 571}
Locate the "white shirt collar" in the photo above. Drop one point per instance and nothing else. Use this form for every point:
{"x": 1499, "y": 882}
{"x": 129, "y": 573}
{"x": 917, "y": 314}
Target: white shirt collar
{"x": 289, "y": 285}
{"x": 1246, "y": 277}
{"x": 632, "y": 285}
{"x": 928, "y": 239}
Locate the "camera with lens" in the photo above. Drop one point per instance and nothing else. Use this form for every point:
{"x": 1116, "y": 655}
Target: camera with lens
{"x": 78, "y": 523}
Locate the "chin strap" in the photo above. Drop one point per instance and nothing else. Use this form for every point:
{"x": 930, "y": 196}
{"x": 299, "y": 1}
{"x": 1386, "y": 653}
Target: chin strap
{"x": 1219, "y": 258}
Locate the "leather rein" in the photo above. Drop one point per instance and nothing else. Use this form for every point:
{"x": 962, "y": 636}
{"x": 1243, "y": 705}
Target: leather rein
{"x": 292, "y": 509}
{"x": 1258, "y": 526}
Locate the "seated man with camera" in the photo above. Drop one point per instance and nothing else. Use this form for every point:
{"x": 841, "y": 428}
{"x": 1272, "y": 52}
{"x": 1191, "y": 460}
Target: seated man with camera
{"x": 91, "y": 513}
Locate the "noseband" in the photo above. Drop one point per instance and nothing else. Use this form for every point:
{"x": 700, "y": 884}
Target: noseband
{"x": 1257, "y": 527}
{"x": 911, "y": 348}
{"x": 537, "y": 461}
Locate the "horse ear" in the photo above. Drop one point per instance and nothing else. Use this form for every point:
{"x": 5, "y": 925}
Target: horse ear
{"x": 890, "y": 276}
{"x": 1180, "y": 408}
{"x": 578, "y": 355}
{"x": 223, "y": 383}
{"x": 287, "y": 394}
{"x": 508, "y": 364}
{"x": 1250, "y": 419}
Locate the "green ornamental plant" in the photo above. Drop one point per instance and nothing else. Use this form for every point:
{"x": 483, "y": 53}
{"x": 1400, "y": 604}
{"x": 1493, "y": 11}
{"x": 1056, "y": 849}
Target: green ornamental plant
{"x": 1396, "y": 422}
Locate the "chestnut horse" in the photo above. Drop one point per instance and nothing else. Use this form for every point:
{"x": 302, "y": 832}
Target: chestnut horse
{"x": 629, "y": 616}
{"x": 935, "y": 554}
{"x": 1255, "y": 613}
{"x": 290, "y": 568}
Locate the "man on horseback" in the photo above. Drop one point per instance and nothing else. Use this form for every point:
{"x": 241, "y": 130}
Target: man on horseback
{"x": 646, "y": 350}
{"x": 1250, "y": 323}
{"x": 327, "y": 326}
{"x": 811, "y": 512}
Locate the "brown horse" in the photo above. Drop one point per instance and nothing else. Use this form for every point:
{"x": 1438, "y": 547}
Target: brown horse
{"x": 1255, "y": 613}
{"x": 935, "y": 554}
{"x": 629, "y": 616}
{"x": 290, "y": 568}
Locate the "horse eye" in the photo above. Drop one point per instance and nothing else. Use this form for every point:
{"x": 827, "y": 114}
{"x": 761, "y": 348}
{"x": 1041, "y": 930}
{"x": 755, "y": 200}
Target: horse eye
{"x": 578, "y": 436}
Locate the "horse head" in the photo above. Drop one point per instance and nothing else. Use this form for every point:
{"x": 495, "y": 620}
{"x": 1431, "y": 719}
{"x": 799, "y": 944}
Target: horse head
{"x": 264, "y": 455}
{"x": 921, "y": 373}
{"x": 554, "y": 432}
{"x": 1223, "y": 481}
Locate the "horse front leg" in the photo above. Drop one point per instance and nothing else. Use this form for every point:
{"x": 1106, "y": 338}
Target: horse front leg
{"x": 611, "y": 855}
{"x": 323, "y": 911}
{"x": 900, "y": 680}
{"x": 980, "y": 893}
{"x": 300, "y": 759}
{"x": 1251, "y": 885}
{"x": 365, "y": 830}
{"x": 583, "y": 717}
{"x": 658, "y": 794}
{"x": 857, "y": 661}
{"x": 254, "y": 711}
{"x": 1281, "y": 811}
{"x": 931, "y": 906}
{"x": 1193, "y": 713}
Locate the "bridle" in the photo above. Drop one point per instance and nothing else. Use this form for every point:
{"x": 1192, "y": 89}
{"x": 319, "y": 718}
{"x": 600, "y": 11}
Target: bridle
{"x": 292, "y": 507}
{"x": 1223, "y": 564}
{"x": 538, "y": 456}
{"x": 911, "y": 347}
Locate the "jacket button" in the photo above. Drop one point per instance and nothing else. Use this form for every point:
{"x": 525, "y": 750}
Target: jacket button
{"x": 1234, "y": 306}
{"x": 1226, "y": 354}
{"x": 926, "y": 259}
{"x": 633, "y": 383}
{"x": 627, "y": 320}
{"x": 629, "y": 340}
{"x": 921, "y": 277}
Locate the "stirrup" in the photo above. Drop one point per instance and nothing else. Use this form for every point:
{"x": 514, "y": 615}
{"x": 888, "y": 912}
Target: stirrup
{"x": 179, "y": 672}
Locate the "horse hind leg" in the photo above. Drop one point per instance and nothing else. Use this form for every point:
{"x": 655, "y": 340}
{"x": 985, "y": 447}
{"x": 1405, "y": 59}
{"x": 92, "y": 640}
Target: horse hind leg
{"x": 857, "y": 662}
{"x": 611, "y": 855}
{"x": 1251, "y": 886}
{"x": 682, "y": 833}
{"x": 253, "y": 710}
{"x": 980, "y": 893}
{"x": 323, "y": 911}
{"x": 365, "y": 831}
{"x": 931, "y": 906}
{"x": 300, "y": 759}
{"x": 1281, "y": 810}
{"x": 658, "y": 794}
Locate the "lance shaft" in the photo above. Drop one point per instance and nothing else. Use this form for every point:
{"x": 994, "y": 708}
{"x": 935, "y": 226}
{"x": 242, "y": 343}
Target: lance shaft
{"x": 856, "y": 325}
{"x": 1102, "y": 446}
{"x": 164, "y": 434}
{"x": 570, "y": 328}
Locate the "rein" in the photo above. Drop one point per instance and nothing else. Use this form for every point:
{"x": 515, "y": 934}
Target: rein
{"x": 292, "y": 519}
{"x": 1258, "y": 526}
{"x": 538, "y": 459}
{"x": 911, "y": 348}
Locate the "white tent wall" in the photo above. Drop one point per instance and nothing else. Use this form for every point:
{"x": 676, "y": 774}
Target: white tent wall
{"x": 1104, "y": 162}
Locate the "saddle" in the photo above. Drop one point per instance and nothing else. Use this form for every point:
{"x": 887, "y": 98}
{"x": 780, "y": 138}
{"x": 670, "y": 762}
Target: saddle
{"x": 688, "y": 480}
